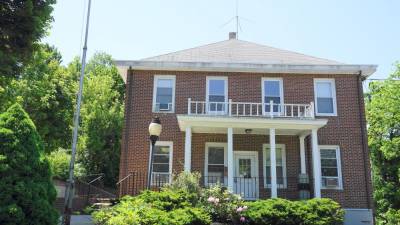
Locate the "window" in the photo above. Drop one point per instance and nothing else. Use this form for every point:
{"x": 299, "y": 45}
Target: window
{"x": 217, "y": 94}
{"x": 331, "y": 176}
{"x": 272, "y": 90}
{"x": 215, "y": 162}
{"x": 280, "y": 165}
{"x": 162, "y": 163}
{"x": 325, "y": 97}
{"x": 164, "y": 94}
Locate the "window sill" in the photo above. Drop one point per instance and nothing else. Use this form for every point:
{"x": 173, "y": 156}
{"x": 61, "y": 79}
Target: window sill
{"x": 325, "y": 114}
{"x": 163, "y": 112}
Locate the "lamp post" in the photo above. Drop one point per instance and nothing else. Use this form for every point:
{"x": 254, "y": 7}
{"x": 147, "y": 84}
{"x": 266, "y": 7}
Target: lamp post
{"x": 154, "y": 131}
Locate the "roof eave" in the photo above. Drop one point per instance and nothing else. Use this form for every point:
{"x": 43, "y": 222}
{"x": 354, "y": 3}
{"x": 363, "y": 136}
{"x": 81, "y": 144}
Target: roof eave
{"x": 364, "y": 70}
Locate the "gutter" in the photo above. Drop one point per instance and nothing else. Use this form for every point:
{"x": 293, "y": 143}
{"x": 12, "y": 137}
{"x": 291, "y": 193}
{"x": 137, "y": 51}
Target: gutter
{"x": 366, "y": 70}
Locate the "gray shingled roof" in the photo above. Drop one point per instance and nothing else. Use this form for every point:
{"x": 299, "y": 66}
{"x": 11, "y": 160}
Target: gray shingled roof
{"x": 238, "y": 51}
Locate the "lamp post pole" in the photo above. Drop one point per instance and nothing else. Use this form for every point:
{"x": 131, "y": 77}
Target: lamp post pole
{"x": 154, "y": 130}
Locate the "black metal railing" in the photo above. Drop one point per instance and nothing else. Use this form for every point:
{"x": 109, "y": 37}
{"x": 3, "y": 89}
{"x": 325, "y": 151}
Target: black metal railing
{"x": 90, "y": 187}
{"x": 248, "y": 187}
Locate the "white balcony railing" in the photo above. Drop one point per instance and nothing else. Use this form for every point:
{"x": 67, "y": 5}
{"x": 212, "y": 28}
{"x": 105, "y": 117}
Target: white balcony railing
{"x": 250, "y": 109}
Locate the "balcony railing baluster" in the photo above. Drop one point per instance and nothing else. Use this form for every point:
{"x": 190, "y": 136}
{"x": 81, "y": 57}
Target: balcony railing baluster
{"x": 243, "y": 109}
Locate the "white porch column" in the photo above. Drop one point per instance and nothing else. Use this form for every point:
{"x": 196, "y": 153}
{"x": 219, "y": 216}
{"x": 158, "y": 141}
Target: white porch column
{"x": 274, "y": 189}
{"x": 230, "y": 159}
{"x": 302, "y": 155}
{"x": 316, "y": 164}
{"x": 188, "y": 149}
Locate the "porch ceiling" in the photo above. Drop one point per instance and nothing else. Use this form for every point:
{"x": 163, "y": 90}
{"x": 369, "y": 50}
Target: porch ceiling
{"x": 258, "y": 125}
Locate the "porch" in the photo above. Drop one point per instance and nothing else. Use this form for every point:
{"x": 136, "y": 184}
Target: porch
{"x": 259, "y": 172}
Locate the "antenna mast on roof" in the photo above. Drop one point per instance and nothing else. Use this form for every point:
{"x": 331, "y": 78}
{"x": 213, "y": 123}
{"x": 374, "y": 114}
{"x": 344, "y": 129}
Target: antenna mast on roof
{"x": 237, "y": 19}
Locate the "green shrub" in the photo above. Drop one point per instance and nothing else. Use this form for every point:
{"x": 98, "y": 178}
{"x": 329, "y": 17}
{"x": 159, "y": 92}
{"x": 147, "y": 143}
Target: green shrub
{"x": 281, "y": 211}
{"x": 186, "y": 181}
{"x": 392, "y": 216}
{"x": 137, "y": 211}
{"x": 26, "y": 190}
{"x": 168, "y": 200}
{"x": 59, "y": 163}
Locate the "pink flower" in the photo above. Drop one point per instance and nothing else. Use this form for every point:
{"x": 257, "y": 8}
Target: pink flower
{"x": 240, "y": 209}
{"x": 216, "y": 200}
{"x": 242, "y": 219}
{"x": 211, "y": 199}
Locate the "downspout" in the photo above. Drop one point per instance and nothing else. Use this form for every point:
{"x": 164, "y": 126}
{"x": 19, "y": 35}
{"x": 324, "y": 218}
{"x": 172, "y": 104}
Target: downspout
{"x": 363, "y": 135}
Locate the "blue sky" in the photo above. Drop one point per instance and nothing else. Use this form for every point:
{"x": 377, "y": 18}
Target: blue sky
{"x": 355, "y": 32}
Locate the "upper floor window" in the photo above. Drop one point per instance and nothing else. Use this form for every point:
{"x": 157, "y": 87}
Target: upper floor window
{"x": 331, "y": 176}
{"x": 164, "y": 94}
{"x": 272, "y": 89}
{"x": 162, "y": 163}
{"x": 325, "y": 97}
{"x": 217, "y": 94}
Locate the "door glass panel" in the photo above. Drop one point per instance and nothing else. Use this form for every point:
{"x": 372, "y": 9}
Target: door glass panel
{"x": 245, "y": 168}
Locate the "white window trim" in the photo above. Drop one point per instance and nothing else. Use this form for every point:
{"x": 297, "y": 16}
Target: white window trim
{"x": 156, "y": 77}
{"x": 214, "y": 144}
{"x": 225, "y": 79}
{"x": 263, "y": 91}
{"x": 333, "y": 90}
{"x": 170, "y": 144}
{"x": 283, "y": 147}
{"x": 339, "y": 165}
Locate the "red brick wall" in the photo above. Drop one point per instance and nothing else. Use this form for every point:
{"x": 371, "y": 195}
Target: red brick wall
{"x": 344, "y": 130}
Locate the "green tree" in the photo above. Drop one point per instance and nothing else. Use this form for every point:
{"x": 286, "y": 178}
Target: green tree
{"x": 46, "y": 90}
{"x": 22, "y": 24}
{"x": 102, "y": 118}
{"x": 26, "y": 190}
{"x": 383, "y": 114}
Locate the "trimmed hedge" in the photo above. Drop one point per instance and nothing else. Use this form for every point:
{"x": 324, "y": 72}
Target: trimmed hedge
{"x": 154, "y": 208}
{"x": 281, "y": 211}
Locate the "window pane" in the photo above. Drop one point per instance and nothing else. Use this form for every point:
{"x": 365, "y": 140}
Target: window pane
{"x": 215, "y": 174}
{"x": 325, "y": 105}
{"x": 329, "y": 172}
{"x": 328, "y": 163}
{"x": 164, "y": 168}
{"x": 279, "y": 159}
{"x": 216, "y": 155}
{"x": 324, "y": 89}
{"x": 165, "y": 83}
{"x": 279, "y": 175}
{"x": 161, "y": 159}
{"x": 216, "y": 98}
{"x": 271, "y": 88}
{"x": 161, "y": 149}
{"x": 216, "y": 87}
{"x": 328, "y": 153}
{"x": 245, "y": 168}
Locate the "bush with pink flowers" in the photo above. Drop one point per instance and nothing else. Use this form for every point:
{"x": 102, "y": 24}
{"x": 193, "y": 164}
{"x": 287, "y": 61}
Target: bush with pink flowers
{"x": 223, "y": 205}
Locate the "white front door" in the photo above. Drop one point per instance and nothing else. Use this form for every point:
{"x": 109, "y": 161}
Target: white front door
{"x": 246, "y": 174}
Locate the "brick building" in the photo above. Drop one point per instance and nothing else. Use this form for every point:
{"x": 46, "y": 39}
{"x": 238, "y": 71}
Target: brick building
{"x": 264, "y": 122}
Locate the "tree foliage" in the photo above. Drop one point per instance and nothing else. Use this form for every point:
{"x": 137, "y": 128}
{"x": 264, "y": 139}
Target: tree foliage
{"x": 22, "y": 24}
{"x": 102, "y": 118}
{"x": 26, "y": 191}
{"x": 383, "y": 113}
{"x": 46, "y": 90}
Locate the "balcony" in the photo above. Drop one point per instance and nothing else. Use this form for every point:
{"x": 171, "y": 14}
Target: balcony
{"x": 251, "y": 109}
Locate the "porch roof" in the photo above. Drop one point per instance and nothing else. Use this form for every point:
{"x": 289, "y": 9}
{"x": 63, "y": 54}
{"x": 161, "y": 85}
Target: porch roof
{"x": 258, "y": 125}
